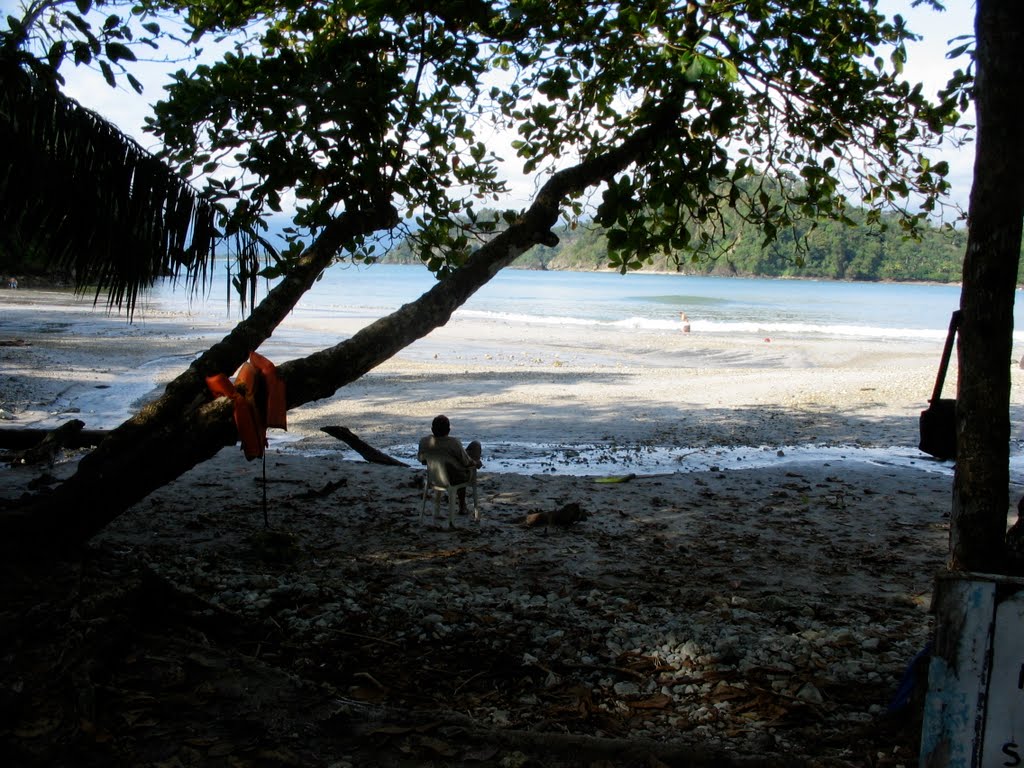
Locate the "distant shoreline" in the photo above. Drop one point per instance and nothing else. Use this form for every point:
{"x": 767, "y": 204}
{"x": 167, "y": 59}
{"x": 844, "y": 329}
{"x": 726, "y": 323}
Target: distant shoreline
{"x": 722, "y": 274}
{"x": 42, "y": 282}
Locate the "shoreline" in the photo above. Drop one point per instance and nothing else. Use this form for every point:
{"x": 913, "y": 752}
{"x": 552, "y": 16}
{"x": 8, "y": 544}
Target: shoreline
{"x": 723, "y": 274}
{"x": 500, "y": 382}
{"x": 638, "y": 400}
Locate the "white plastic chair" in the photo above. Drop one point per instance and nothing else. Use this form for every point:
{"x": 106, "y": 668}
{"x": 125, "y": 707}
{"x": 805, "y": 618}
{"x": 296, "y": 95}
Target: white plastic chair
{"x": 436, "y": 482}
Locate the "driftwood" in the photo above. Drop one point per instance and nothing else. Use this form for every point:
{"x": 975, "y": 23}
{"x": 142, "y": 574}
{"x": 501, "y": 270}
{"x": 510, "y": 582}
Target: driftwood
{"x": 45, "y": 452}
{"x": 564, "y": 516}
{"x": 327, "y": 490}
{"x": 364, "y": 449}
{"x": 20, "y": 438}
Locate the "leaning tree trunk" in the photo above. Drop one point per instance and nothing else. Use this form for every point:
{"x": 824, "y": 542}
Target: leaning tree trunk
{"x": 980, "y": 489}
{"x": 185, "y": 426}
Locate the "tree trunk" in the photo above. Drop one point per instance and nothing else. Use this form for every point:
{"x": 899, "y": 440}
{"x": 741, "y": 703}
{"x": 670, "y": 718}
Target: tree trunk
{"x": 184, "y": 427}
{"x": 980, "y": 489}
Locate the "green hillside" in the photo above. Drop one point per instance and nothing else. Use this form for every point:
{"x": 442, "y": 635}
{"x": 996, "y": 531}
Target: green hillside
{"x": 831, "y": 250}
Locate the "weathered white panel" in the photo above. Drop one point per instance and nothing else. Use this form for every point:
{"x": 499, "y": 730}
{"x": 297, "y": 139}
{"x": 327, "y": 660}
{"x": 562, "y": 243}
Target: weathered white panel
{"x": 1003, "y": 740}
{"x": 958, "y": 674}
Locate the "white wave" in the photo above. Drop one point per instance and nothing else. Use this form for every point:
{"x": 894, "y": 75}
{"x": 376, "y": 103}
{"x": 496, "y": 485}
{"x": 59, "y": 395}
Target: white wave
{"x": 518, "y": 318}
{"x": 724, "y": 327}
{"x": 811, "y": 329}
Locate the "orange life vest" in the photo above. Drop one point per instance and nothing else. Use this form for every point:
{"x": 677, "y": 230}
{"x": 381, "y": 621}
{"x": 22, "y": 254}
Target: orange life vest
{"x": 258, "y": 394}
{"x": 276, "y": 402}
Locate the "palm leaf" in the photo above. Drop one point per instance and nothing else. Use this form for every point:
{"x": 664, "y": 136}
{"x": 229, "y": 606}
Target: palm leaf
{"x": 81, "y": 197}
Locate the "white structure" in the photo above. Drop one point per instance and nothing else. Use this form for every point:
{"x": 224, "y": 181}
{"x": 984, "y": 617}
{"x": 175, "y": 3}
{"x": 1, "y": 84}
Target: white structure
{"x": 974, "y": 711}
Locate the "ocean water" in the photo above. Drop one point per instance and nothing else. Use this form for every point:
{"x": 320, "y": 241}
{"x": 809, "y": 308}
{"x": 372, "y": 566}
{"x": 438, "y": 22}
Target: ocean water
{"x": 713, "y": 305}
{"x": 645, "y": 301}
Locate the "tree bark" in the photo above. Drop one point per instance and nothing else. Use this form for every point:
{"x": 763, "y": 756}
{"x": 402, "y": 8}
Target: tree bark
{"x": 996, "y": 209}
{"x": 184, "y": 427}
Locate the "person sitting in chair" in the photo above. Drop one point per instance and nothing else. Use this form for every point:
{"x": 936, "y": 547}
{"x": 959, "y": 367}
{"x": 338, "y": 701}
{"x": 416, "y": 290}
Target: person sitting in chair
{"x": 452, "y": 463}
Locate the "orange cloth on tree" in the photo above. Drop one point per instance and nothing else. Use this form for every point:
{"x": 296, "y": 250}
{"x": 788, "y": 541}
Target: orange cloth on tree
{"x": 277, "y": 405}
{"x": 258, "y": 394}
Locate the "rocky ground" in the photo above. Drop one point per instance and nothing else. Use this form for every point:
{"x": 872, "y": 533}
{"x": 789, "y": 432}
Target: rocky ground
{"x": 749, "y": 617}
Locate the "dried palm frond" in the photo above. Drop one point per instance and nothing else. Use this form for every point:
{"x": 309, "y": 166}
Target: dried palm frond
{"x": 80, "y": 197}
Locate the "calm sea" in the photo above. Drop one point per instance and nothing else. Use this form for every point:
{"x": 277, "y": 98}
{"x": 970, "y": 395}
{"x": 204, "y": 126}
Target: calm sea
{"x": 637, "y": 300}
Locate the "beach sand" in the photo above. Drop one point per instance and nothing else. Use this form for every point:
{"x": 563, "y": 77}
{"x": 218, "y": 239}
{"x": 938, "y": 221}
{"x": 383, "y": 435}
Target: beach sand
{"x": 719, "y": 605}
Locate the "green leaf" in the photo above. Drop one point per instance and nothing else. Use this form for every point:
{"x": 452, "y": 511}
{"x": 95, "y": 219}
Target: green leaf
{"x": 118, "y": 51}
{"x": 81, "y": 25}
{"x": 56, "y": 54}
{"x": 108, "y": 74}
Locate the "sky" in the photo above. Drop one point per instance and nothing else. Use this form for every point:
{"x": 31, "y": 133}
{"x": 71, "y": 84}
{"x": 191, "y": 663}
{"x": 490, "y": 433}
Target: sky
{"x": 927, "y": 63}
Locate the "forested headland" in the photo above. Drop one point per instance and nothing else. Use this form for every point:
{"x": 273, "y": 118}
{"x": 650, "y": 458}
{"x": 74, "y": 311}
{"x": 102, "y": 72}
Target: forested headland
{"x": 831, "y": 250}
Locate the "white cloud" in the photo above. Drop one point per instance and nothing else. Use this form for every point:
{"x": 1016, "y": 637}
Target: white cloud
{"x": 927, "y": 64}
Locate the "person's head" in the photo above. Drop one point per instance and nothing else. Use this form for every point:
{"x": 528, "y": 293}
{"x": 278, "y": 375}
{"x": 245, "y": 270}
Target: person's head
{"x": 440, "y": 426}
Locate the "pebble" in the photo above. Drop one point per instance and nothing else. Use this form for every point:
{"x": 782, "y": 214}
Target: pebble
{"x": 686, "y": 646}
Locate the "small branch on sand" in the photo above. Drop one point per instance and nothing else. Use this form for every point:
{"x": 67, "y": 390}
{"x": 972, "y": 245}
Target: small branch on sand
{"x": 564, "y": 516}
{"x": 327, "y": 490}
{"x": 364, "y": 449}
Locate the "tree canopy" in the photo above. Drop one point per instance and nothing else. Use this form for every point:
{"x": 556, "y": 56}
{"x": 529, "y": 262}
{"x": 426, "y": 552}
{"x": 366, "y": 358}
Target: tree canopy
{"x": 323, "y": 107}
{"x": 336, "y": 106}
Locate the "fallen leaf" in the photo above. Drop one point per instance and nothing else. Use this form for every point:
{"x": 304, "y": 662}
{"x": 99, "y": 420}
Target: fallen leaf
{"x": 438, "y": 746}
{"x": 367, "y": 693}
{"x": 393, "y": 730}
{"x": 221, "y": 749}
{"x": 482, "y": 755}
{"x": 657, "y": 701}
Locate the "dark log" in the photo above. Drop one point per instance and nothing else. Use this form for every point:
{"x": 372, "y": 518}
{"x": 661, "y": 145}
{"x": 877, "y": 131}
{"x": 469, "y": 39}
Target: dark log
{"x": 564, "y": 516}
{"x": 45, "y": 452}
{"x": 20, "y": 438}
{"x": 364, "y": 449}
